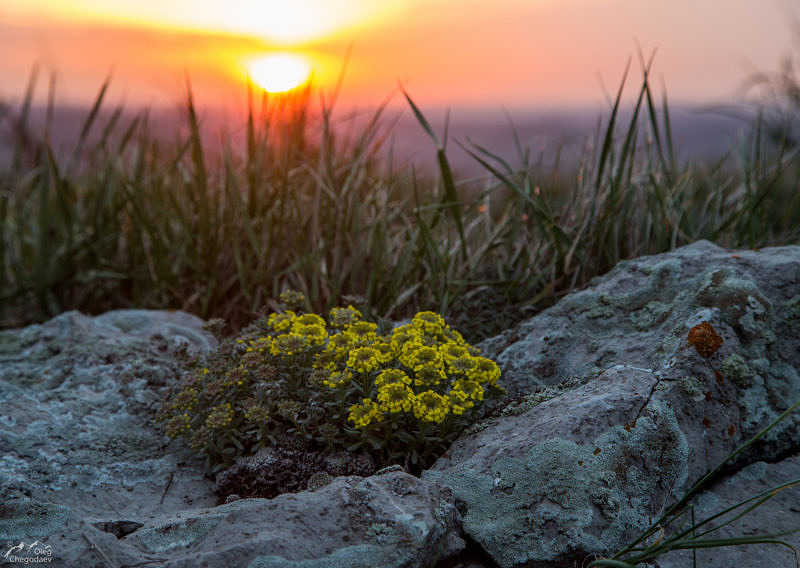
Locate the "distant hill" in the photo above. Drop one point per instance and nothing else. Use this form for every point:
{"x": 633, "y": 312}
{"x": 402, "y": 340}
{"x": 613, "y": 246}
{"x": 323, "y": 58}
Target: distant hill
{"x": 699, "y": 135}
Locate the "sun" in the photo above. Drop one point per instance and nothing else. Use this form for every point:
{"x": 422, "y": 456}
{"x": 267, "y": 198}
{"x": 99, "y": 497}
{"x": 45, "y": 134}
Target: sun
{"x": 280, "y": 72}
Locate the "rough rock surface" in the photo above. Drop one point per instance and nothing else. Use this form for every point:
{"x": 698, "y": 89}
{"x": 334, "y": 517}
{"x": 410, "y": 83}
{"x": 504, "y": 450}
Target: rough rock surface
{"x": 630, "y": 400}
{"x": 83, "y": 470}
{"x": 622, "y": 396}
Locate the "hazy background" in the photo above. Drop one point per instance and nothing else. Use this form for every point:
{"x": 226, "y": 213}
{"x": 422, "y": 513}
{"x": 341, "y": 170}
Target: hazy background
{"x": 550, "y": 63}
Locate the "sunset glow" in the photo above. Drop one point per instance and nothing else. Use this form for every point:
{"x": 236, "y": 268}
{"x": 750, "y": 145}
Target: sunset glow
{"x": 286, "y": 23}
{"x": 509, "y": 53}
{"x": 280, "y": 72}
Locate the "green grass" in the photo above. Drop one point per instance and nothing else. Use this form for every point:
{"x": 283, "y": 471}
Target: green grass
{"x": 219, "y": 229}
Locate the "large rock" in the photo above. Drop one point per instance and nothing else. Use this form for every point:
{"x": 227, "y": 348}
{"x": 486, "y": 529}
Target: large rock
{"x": 625, "y": 398}
{"x": 622, "y": 396}
{"x": 84, "y": 471}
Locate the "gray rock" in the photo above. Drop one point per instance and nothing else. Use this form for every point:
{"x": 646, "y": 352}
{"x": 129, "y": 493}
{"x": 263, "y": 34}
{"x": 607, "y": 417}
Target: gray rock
{"x": 622, "y": 396}
{"x": 635, "y": 314}
{"x": 79, "y": 453}
{"x": 390, "y": 520}
{"x": 779, "y": 514}
{"x": 617, "y": 413}
{"x": 84, "y": 469}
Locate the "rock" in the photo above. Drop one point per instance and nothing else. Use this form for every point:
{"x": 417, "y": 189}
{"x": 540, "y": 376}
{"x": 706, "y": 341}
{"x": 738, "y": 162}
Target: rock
{"x": 79, "y": 453}
{"x": 627, "y": 393}
{"x": 79, "y": 395}
{"x": 634, "y": 314}
{"x": 85, "y": 471}
{"x": 622, "y": 396}
{"x": 390, "y": 520}
{"x": 778, "y": 515}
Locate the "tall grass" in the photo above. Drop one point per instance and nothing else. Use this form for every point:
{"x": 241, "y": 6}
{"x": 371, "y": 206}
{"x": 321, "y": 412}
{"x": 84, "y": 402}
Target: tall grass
{"x": 219, "y": 226}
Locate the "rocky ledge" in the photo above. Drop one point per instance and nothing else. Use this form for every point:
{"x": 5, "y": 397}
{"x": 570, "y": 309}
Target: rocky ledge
{"x": 621, "y": 397}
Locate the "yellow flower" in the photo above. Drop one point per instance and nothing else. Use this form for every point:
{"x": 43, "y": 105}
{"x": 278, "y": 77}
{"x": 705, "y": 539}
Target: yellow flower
{"x": 401, "y": 335}
{"x": 452, "y": 351}
{"x": 464, "y": 365}
{"x": 308, "y": 319}
{"x": 459, "y": 402}
{"x": 337, "y": 379}
{"x": 362, "y": 332}
{"x": 260, "y": 344}
{"x": 429, "y": 376}
{"x": 384, "y": 349}
{"x": 472, "y": 389}
{"x": 430, "y": 323}
{"x": 408, "y": 350}
{"x": 220, "y": 416}
{"x": 430, "y": 406}
{"x": 486, "y": 371}
{"x": 314, "y": 334}
{"x": 179, "y": 425}
{"x": 255, "y": 411}
{"x": 281, "y": 322}
{"x": 363, "y": 414}
{"x": 288, "y": 344}
{"x": 392, "y": 376}
{"x": 452, "y": 336}
{"x": 326, "y": 359}
{"x": 341, "y": 343}
{"x": 416, "y": 356}
{"x": 292, "y": 298}
{"x": 395, "y": 397}
{"x": 364, "y": 359}
{"x": 185, "y": 399}
{"x": 342, "y": 317}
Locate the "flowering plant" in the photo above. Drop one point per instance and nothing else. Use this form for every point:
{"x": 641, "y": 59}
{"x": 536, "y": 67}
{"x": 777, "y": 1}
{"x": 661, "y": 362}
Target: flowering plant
{"x": 296, "y": 379}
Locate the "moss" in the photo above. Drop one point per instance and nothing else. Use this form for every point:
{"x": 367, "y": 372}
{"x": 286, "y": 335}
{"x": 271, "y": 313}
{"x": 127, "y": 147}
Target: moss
{"x": 652, "y": 314}
{"x": 736, "y": 370}
{"x": 693, "y": 387}
{"x": 382, "y": 533}
{"x": 739, "y": 300}
{"x": 791, "y": 313}
{"x": 25, "y": 518}
{"x": 516, "y": 507}
{"x": 603, "y": 307}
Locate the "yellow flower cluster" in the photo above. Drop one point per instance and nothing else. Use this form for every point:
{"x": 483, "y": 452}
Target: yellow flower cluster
{"x": 179, "y": 425}
{"x": 365, "y": 413}
{"x": 431, "y": 406}
{"x": 220, "y": 416}
{"x": 255, "y": 412}
{"x": 395, "y": 397}
{"x": 338, "y": 379}
{"x": 342, "y": 317}
{"x": 301, "y": 371}
{"x": 364, "y": 359}
{"x": 425, "y": 368}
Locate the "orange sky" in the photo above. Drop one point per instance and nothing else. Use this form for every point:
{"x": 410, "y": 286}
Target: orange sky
{"x": 506, "y": 53}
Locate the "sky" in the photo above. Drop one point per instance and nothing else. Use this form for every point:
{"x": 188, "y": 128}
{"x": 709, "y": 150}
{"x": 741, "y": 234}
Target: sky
{"x": 513, "y": 54}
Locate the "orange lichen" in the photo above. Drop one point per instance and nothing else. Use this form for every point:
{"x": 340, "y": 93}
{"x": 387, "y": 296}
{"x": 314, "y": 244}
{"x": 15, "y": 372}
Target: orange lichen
{"x": 705, "y": 339}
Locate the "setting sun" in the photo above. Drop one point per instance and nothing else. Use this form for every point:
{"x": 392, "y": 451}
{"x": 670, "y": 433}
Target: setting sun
{"x": 280, "y": 72}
